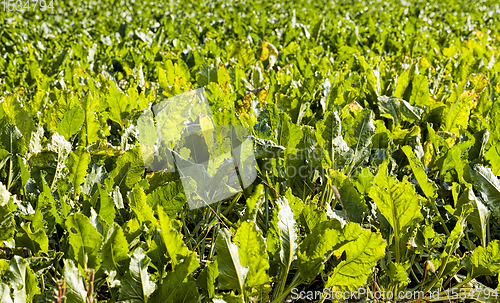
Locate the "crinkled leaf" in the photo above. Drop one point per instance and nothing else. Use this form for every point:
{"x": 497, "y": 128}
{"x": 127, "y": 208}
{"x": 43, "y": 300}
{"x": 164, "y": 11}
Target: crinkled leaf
{"x": 459, "y": 111}
{"x": 106, "y": 206}
{"x": 353, "y": 202}
{"x": 486, "y": 261}
{"x": 328, "y": 134}
{"x": 254, "y": 202}
{"x": 229, "y": 298}
{"x": 420, "y": 90}
{"x": 493, "y": 156}
{"x": 318, "y": 247}
{"x": 252, "y": 251}
{"x": 398, "y": 109}
{"x": 363, "y": 250}
{"x": 119, "y": 105}
{"x": 358, "y": 137}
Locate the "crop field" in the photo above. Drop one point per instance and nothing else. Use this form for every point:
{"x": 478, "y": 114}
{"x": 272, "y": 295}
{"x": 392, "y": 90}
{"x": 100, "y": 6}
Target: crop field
{"x": 249, "y": 151}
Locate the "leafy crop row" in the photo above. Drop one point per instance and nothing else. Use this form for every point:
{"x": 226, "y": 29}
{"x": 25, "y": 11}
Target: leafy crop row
{"x": 376, "y": 128}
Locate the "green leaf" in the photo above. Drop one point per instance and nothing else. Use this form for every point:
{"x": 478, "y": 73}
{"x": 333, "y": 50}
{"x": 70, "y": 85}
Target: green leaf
{"x": 479, "y": 218}
{"x": 488, "y": 186}
{"x": 18, "y": 114}
{"x": 398, "y": 109}
{"x": 318, "y": 247}
{"x": 5, "y": 293}
{"x": 107, "y": 205}
{"x": 12, "y": 140}
{"x": 312, "y": 215}
{"x": 137, "y": 200}
{"x": 358, "y": 138}
{"x": 177, "y": 286}
{"x": 7, "y": 223}
{"x": 175, "y": 247}
{"x": 170, "y": 196}
{"x": 397, "y": 274}
{"x": 114, "y": 250}
{"x": 399, "y": 204}
{"x": 429, "y": 188}
{"x": 75, "y": 289}
{"x": 23, "y": 281}
{"x": 62, "y": 148}
{"x": 162, "y": 79}
{"x": 364, "y": 181}
{"x": 72, "y": 122}
{"x": 206, "y": 279}
{"x": 330, "y": 139}
{"x": 459, "y": 111}
{"x": 229, "y": 298}
{"x": 493, "y": 157}
{"x": 253, "y": 255}
{"x": 403, "y": 81}
{"x": 46, "y": 214}
{"x": 25, "y": 173}
{"x": 35, "y": 241}
{"x": 353, "y": 202}
{"x": 363, "y": 250}
{"x": 456, "y": 235}
{"x": 119, "y": 105}
{"x": 91, "y": 128}
{"x": 78, "y": 162}
{"x": 486, "y": 261}
{"x": 85, "y": 241}
{"x": 254, "y": 202}
{"x": 420, "y": 91}
{"x": 284, "y": 234}
{"x": 128, "y": 170}
{"x": 289, "y": 134}
{"x": 137, "y": 285}
{"x": 232, "y": 274}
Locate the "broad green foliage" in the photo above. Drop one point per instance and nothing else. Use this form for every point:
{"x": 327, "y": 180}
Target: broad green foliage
{"x": 232, "y": 274}
{"x": 399, "y": 204}
{"x": 75, "y": 289}
{"x": 375, "y": 127}
{"x": 85, "y": 241}
{"x": 138, "y": 285}
{"x": 7, "y": 223}
{"x": 363, "y": 249}
{"x": 486, "y": 261}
